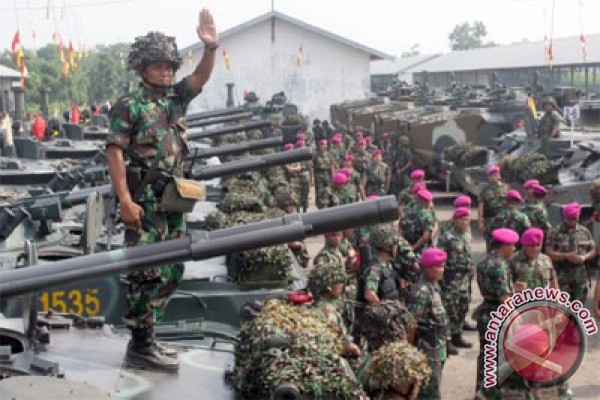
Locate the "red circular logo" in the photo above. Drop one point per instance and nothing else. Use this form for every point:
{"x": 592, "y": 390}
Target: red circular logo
{"x": 543, "y": 344}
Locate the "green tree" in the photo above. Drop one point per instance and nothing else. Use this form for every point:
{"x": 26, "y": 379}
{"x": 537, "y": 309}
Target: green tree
{"x": 469, "y": 36}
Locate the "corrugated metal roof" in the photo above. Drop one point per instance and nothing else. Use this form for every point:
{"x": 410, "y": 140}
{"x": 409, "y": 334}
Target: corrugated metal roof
{"x": 6, "y": 72}
{"x": 566, "y": 51}
{"x": 374, "y": 54}
{"x": 392, "y": 67}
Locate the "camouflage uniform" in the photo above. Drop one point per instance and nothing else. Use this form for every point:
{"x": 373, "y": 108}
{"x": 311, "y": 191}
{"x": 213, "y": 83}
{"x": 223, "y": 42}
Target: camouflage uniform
{"x": 322, "y": 163}
{"x": 379, "y": 277}
{"x": 426, "y": 305}
{"x": 493, "y": 198}
{"x": 331, "y": 255}
{"x": 376, "y": 178}
{"x": 304, "y": 183}
{"x": 337, "y": 153}
{"x": 572, "y": 278}
{"x": 457, "y": 277}
{"x": 353, "y": 185}
{"x": 400, "y": 180}
{"x": 536, "y": 273}
{"x": 362, "y": 159}
{"x": 493, "y": 278}
{"x": 510, "y": 218}
{"x": 547, "y": 123}
{"x": 146, "y": 127}
{"x": 405, "y": 264}
{"x": 293, "y": 177}
{"x": 537, "y": 214}
{"x": 415, "y": 222}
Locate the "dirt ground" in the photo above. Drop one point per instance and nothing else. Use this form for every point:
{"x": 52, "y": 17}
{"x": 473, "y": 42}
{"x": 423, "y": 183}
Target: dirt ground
{"x": 458, "y": 379}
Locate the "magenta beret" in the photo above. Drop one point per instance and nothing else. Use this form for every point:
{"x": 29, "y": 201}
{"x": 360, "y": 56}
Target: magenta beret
{"x": 301, "y": 136}
{"x": 369, "y": 139}
{"x": 514, "y": 195}
{"x": 532, "y": 237}
{"x": 425, "y": 195}
{"x": 348, "y": 157}
{"x": 571, "y": 211}
{"x": 417, "y": 174}
{"x": 300, "y": 143}
{"x": 361, "y": 142}
{"x": 339, "y": 178}
{"x": 417, "y": 187}
{"x": 462, "y": 201}
{"x": 461, "y": 212}
{"x": 505, "y": 236}
{"x": 539, "y": 189}
{"x": 493, "y": 169}
{"x": 288, "y": 146}
{"x": 530, "y": 183}
{"x": 346, "y": 171}
{"x": 433, "y": 257}
{"x": 336, "y": 140}
{"x": 376, "y": 152}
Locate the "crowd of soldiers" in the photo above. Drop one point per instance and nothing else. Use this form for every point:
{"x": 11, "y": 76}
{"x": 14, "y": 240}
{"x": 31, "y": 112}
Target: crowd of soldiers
{"x": 388, "y": 284}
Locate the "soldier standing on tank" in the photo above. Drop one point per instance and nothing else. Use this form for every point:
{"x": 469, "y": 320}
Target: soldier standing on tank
{"x": 148, "y": 125}
{"x": 491, "y": 199}
{"x": 455, "y": 241}
{"x": 570, "y": 245}
{"x": 426, "y": 304}
{"x": 324, "y": 167}
{"x": 495, "y": 285}
{"x": 549, "y": 125}
{"x": 418, "y": 223}
{"x": 511, "y": 216}
{"x": 376, "y": 179}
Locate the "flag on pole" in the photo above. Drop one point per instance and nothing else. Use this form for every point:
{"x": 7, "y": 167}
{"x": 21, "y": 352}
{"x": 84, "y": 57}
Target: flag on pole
{"x": 15, "y": 44}
{"x": 299, "y": 59}
{"x": 226, "y": 59}
{"x": 583, "y": 47}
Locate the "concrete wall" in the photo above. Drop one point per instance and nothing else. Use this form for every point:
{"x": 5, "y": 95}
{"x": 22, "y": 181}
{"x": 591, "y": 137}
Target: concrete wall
{"x": 331, "y": 72}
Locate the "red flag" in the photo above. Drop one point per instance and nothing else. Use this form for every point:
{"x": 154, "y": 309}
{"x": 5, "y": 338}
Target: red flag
{"x": 15, "y": 43}
{"x": 583, "y": 46}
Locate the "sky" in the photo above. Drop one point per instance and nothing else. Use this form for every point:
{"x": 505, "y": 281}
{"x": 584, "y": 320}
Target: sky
{"x": 391, "y": 26}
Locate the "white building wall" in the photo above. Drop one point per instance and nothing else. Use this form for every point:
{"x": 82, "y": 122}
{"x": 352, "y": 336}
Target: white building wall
{"x": 331, "y": 72}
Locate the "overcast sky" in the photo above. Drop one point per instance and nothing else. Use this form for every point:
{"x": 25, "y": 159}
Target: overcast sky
{"x": 391, "y": 26}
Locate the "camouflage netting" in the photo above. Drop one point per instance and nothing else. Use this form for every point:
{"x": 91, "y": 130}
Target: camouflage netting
{"x": 466, "y": 155}
{"x": 324, "y": 275}
{"x": 530, "y": 166}
{"x": 384, "y": 323}
{"x": 310, "y": 360}
{"x": 234, "y": 201}
{"x": 397, "y": 364}
{"x": 595, "y": 194}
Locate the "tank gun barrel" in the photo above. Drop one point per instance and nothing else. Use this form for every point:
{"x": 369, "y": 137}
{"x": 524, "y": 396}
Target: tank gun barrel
{"x": 252, "y": 164}
{"x": 235, "y": 148}
{"x": 228, "y": 129}
{"x": 219, "y": 120}
{"x": 214, "y": 113}
{"x": 203, "y": 245}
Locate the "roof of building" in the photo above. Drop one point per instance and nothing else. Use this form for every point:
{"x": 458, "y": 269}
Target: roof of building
{"x": 398, "y": 65}
{"x": 566, "y": 51}
{"x": 373, "y": 54}
{"x": 6, "y": 72}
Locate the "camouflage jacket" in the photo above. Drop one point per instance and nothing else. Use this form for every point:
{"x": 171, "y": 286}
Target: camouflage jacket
{"x": 305, "y": 173}
{"x": 331, "y": 197}
{"x": 565, "y": 240}
{"x": 405, "y": 196}
{"x": 402, "y": 157}
{"x": 146, "y": 125}
{"x": 493, "y": 277}
{"x": 331, "y": 309}
{"x": 361, "y": 162}
{"x": 381, "y": 278}
{"x": 322, "y": 162}
{"x": 538, "y": 215}
{"x": 354, "y": 183}
{"x": 458, "y": 248}
{"x": 426, "y": 305}
{"x": 330, "y": 254}
{"x": 376, "y": 179}
{"x": 493, "y": 198}
{"x": 547, "y": 123}
{"x": 337, "y": 153}
{"x": 536, "y": 273}
{"x": 415, "y": 222}
{"x": 406, "y": 261}
{"x": 512, "y": 219}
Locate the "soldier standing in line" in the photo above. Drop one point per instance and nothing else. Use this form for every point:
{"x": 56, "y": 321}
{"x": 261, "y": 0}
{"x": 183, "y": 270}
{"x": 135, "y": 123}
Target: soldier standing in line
{"x": 406, "y": 195}
{"x": 337, "y": 149}
{"x": 370, "y": 146}
{"x": 535, "y": 209}
{"x": 337, "y": 194}
{"x": 460, "y": 201}
{"x": 491, "y": 200}
{"x": 495, "y": 285}
{"x": 428, "y": 310}
{"x": 376, "y": 179}
{"x": 401, "y": 163}
{"x": 354, "y": 178}
{"x": 331, "y": 252}
{"x": 529, "y": 267}
{"x": 570, "y": 245}
{"x": 148, "y": 125}
{"x": 511, "y": 217}
{"x": 455, "y": 241}
{"x": 358, "y": 136}
{"x": 418, "y": 223}
{"x": 351, "y": 187}
{"x": 324, "y": 168}
{"x": 361, "y": 157}
{"x": 306, "y": 177}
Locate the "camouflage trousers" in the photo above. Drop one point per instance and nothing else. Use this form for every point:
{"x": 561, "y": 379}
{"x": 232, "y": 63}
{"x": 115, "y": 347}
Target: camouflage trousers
{"x": 400, "y": 181}
{"x": 432, "y": 391}
{"x": 456, "y": 296}
{"x": 149, "y": 290}
{"x": 574, "y": 281}
{"x": 322, "y": 182}
{"x": 303, "y": 191}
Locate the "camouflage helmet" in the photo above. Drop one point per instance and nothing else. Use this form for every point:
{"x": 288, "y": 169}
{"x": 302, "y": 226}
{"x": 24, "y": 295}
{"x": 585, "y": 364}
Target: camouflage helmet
{"x": 154, "y": 47}
{"x": 285, "y": 197}
{"x": 383, "y": 235}
{"x": 324, "y": 275}
{"x": 386, "y": 322}
{"x": 550, "y": 100}
{"x": 396, "y": 365}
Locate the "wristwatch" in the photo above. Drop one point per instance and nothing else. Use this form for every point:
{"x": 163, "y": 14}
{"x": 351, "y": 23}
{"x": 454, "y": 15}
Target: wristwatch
{"x": 212, "y": 48}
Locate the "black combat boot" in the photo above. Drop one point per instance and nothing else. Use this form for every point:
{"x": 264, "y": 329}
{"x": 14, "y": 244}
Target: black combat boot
{"x": 459, "y": 341}
{"x": 450, "y": 349}
{"x": 143, "y": 353}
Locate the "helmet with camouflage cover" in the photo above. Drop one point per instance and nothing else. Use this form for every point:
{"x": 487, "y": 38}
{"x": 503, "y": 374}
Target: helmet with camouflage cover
{"x": 383, "y": 235}
{"x": 324, "y": 275}
{"x": 386, "y": 322}
{"x": 396, "y": 365}
{"x": 285, "y": 197}
{"x": 154, "y": 47}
